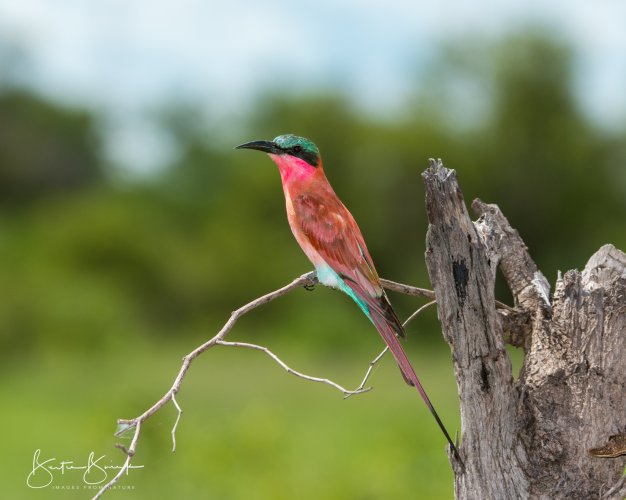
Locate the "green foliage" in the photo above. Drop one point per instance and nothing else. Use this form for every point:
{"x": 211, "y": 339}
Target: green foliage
{"x": 44, "y": 149}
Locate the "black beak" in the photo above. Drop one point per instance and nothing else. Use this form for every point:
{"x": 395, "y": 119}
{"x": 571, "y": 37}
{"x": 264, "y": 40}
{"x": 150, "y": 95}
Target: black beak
{"x": 265, "y": 146}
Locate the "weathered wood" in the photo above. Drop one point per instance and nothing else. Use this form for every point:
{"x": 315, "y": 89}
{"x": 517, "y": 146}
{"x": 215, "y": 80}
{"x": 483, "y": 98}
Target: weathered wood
{"x": 528, "y": 438}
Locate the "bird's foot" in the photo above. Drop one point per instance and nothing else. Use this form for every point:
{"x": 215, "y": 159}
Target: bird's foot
{"x": 309, "y": 286}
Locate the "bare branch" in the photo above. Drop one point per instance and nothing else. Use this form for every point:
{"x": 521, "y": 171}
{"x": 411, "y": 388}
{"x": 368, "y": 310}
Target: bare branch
{"x": 130, "y": 452}
{"x": 407, "y": 289}
{"x": 180, "y": 414}
{"x": 375, "y": 361}
{"x": 424, "y": 292}
{"x": 370, "y": 369}
{"x": 417, "y": 313}
{"x": 347, "y": 392}
{"x": 529, "y": 286}
{"x": 307, "y": 280}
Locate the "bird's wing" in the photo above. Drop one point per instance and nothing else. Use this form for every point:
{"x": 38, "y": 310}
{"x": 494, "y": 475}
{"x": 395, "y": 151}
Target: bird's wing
{"x": 334, "y": 234}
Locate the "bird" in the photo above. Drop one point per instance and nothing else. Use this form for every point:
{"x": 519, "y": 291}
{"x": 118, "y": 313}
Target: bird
{"x": 331, "y": 239}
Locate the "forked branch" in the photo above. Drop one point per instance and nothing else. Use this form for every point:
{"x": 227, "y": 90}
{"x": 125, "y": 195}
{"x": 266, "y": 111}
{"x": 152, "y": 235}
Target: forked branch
{"x": 308, "y": 281}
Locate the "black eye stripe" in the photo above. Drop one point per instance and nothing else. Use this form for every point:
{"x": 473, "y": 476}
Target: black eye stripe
{"x": 299, "y": 152}
{"x": 307, "y": 153}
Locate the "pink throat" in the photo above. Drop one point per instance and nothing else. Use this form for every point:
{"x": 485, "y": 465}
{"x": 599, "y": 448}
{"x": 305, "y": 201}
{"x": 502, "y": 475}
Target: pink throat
{"x": 293, "y": 169}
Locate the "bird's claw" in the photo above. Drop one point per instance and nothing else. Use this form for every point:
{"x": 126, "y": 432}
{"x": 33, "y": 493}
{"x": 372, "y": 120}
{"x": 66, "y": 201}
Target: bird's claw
{"x": 309, "y": 286}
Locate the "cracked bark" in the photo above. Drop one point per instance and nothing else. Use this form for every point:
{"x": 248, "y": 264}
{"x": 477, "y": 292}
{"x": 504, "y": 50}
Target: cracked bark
{"x": 527, "y": 438}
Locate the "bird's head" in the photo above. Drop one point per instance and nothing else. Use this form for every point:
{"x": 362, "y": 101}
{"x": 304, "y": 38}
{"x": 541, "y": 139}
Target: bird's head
{"x": 296, "y": 157}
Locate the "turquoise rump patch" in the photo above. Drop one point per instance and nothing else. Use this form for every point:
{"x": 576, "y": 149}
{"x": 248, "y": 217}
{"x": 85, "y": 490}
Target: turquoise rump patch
{"x": 328, "y": 277}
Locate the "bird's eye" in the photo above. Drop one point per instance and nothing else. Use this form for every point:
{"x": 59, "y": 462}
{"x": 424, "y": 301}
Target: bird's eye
{"x": 297, "y": 148}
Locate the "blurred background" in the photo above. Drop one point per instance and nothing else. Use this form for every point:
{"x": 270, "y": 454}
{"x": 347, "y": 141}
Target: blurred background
{"x": 130, "y": 229}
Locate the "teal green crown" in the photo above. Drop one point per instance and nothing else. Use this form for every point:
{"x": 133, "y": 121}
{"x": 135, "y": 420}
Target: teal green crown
{"x": 301, "y": 147}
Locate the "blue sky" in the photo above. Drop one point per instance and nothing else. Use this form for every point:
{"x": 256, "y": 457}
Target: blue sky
{"x": 124, "y": 56}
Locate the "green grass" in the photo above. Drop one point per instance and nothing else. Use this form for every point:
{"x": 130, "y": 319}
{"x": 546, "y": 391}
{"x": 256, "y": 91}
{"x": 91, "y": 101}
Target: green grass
{"x": 249, "y": 430}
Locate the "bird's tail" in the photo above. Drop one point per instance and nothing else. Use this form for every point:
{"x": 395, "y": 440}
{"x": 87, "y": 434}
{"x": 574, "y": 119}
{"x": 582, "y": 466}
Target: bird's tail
{"x": 389, "y": 334}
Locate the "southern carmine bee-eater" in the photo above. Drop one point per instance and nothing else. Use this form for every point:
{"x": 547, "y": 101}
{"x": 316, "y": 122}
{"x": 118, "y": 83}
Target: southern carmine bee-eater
{"x": 332, "y": 241}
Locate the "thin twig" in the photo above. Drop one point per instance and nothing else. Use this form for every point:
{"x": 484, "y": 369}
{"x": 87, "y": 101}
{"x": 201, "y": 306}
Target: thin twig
{"x": 130, "y": 452}
{"x": 180, "y": 414}
{"x": 346, "y": 392}
{"x": 375, "y": 361}
{"x": 424, "y": 292}
{"x": 407, "y": 289}
{"x": 370, "y": 369}
{"x": 417, "y": 313}
{"x": 307, "y": 280}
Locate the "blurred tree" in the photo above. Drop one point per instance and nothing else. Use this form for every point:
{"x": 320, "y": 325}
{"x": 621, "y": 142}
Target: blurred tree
{"x": 531, "y": 149}
{"x": 209, "y": 232}
{"x": 45, "y": 149}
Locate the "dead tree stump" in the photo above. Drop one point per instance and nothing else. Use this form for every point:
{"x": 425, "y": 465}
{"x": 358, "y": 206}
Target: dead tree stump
{"x": 530, "y": 437}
